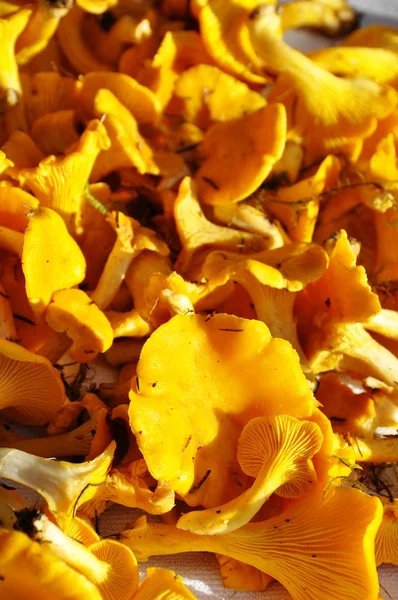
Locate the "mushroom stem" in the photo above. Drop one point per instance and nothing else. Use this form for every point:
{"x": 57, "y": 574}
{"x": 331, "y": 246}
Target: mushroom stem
{"x": 54, "y": 348}
{"x": 63, "y": 485}
{"x": 72, "y": 443}
{"x": 381, "y": 450}
{"x": 113, "y": 274}
{"x": 70, "y": 551}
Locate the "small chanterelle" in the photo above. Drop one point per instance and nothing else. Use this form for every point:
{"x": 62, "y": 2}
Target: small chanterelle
{"x": 198, "y": 301}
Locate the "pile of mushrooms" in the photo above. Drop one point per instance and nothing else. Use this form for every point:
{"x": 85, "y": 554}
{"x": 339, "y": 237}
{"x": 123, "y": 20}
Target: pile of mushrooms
{"x": 198, "y": 297}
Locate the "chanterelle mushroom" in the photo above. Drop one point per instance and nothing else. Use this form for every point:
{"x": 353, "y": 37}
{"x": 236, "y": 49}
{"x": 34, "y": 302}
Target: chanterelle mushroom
{"x": 188, "y": 414}
{"x": 277, "y": 451}
{"x": 315, "y": 548}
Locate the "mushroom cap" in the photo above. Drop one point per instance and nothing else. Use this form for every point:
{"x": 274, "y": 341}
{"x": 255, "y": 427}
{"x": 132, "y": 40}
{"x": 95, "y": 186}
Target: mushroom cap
{"x": 239, "y": 147}
{"x": 72, "y": 311}
{"x": 277, "y": 451}
{"x": 205, "y": 93}
{"x": 219, "y": 379}
{"x": 31, "y": 389}
{"x": 51, "y": 259}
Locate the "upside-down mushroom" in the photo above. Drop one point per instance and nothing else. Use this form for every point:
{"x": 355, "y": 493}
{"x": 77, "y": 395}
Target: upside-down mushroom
{"x": 277, "y": 451}
{"x": 110, "y": 566}
{"x": 239, "y": 147}
{"x": 315, "y": 548}
{"x": 10, "y": 86}
{"x": 64, "y": 486}
{"x": 206, "y": 404}
{"x": 386, "y": 546}
{"x": 31, "y": 390}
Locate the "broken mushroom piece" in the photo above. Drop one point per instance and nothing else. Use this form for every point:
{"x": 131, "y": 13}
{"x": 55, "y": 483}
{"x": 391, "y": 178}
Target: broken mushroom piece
{"x": 10, "y": 86}
{"x": 110, "y": 566}
{"x": 64, "y": 486}
{"x": 226, "y": 381}
{"x": 30, "y": 570}
{"x": 315, "y": 549}
{"x": 51, "y": 259}
{"x": 31, "y": 390}
{"x": 386, "y": 547}
{"x": 238, "y": 157}
{"x": 277, "y": 451}
{"x": 75, "y": 313}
